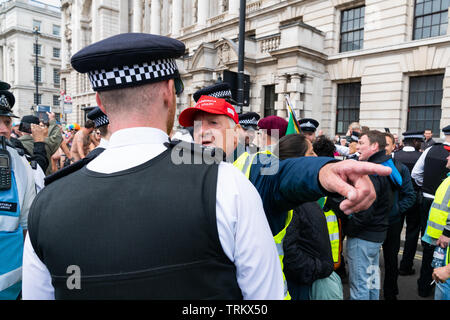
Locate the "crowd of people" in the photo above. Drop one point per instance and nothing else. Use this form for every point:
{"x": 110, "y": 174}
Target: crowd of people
{"x": 228, "y": 206}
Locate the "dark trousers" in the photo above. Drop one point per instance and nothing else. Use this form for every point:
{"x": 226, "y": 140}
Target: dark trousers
{"x": 426, "y": 270}
{"x": 391, "y": 246}
{"x": 412, "y": 217}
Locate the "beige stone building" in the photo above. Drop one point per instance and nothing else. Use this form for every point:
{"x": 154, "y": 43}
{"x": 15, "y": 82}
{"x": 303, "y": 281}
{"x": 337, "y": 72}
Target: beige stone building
{"x": 18, "y": 49}
{"x": 385, "y": 63}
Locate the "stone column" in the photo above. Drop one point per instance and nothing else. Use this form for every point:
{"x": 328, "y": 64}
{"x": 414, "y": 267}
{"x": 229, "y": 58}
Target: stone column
{"x": 95, "y": 36}
{"x": 280, "y": 89}
{"x": 177, "y": 17}
{"x": 203, "y": 12}
{"x": 147, "y": 16}
{"x": 233, "y": 7}
{"x": 137, "y": 16}
{"x": 155, "y": 19}
{"x": 123, "y": 17}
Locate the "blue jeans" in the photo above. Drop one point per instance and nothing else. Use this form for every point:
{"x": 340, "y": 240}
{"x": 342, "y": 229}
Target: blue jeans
{"x": 363, "y": 258}
{"x": 442, "y": 291}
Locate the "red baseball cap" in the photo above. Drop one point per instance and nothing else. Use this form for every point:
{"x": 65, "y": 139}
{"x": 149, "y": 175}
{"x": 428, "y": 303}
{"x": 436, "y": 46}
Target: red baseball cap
{"x": 210, "y": 105}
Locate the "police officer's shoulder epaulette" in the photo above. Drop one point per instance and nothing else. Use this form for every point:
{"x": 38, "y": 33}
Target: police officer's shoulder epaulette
{"x": 193, "y": 153}
{"x": 74, "y": 167}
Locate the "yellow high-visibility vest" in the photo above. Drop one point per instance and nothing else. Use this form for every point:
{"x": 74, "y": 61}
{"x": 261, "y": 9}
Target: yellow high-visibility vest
{"x": 439, "y": 211}
{"x": 244, "y": 164}
{"x": 333, "y": 231}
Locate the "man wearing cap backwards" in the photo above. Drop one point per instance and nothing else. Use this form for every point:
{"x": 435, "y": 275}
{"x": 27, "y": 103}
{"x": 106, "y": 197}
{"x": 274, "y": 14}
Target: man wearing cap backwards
{"x": 428, "y": 172}
{"x": 162, "y": 230}
{"x": 15, "y": 204}
{"x": 409, "y": 155}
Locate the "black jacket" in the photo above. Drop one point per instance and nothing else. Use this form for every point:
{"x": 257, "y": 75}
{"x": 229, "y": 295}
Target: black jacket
{"x": 307, "y": 248}
{"x": 372, "y": 224}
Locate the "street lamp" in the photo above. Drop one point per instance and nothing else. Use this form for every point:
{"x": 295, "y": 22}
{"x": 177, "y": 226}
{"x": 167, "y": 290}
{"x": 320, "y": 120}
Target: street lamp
{"x": 36, "y": 72}
{"x": 241, "y": 56}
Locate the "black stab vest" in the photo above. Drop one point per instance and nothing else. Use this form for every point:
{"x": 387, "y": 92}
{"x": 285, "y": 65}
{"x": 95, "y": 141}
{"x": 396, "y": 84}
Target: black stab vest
{"x": 149, "y": 232}
{"x": 435, "y": 170}
{"x": 409, "y": 159}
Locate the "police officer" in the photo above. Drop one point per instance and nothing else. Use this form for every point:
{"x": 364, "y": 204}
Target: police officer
{"x": 102, "y": 124}
{"x": 249, "y": 125}
{"x": 163, "y": 229}
{"x": 429, "y": 171}
{"x": 308, "y": 127}
{"x": 17, "y": 191}
{"x": 409, "y": 156}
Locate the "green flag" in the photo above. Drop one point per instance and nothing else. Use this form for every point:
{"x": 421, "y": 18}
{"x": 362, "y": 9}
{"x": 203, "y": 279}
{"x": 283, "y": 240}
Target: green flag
{"x": 293, "y": 126}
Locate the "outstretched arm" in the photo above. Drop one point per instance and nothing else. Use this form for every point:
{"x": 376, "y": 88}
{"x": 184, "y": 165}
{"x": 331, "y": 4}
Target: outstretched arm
{"x": 350, "y": 179}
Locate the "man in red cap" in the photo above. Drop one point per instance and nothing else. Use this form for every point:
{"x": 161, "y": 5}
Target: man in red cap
{"x": 285, "y": 184}
{"x": 215, "y": 120}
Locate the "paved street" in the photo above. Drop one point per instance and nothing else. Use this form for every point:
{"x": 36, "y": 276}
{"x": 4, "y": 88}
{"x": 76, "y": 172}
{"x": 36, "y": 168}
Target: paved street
{"x": 407, "y": 284}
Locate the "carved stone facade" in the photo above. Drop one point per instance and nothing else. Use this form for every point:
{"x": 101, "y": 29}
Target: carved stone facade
{"x": 292, "y": 46}
{"x": 17, "y": 55}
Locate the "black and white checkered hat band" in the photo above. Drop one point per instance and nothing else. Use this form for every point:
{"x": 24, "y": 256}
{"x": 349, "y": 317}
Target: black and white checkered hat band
{"x": 221, "y": 94}
{"x": 101, "y": 121}
{"x": 307, "y": 125}
{"x": 249, "y": 122}
{"x": 127, "y": 76}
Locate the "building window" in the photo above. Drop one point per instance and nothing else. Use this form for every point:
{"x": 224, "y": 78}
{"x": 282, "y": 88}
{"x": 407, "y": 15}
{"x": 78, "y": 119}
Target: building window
{"x": 352, "y": 29}
{"x": 55, "y": 100}
{"x": 56, "y": 77}
{"x": 37, "y": 74}
{"x": 38, "y": 99}
{"x": 37, "y": 24}
{"x": 37, "y": 49}
{"x": 269, "y": 101}
{"x": 430, "y": 18}
{"x": 424, "y": 106}
{"x": 348, "y": 102}
{"x": 56, "y": 53}
{"x": 56, "y": 30}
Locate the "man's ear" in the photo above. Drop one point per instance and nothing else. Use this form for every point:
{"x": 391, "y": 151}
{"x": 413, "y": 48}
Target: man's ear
{"x": 169, "y": 92}
{"x": 99, "y": 102}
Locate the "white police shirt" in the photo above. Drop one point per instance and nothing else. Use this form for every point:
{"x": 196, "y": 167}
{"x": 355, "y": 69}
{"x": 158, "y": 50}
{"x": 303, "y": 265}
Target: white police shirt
{"x": 244, "y": 232}
{"x": 418, "y": 171}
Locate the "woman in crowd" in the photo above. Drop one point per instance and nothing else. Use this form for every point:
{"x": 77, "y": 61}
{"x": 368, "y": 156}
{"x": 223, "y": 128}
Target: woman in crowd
{"x": 307, "y": 249}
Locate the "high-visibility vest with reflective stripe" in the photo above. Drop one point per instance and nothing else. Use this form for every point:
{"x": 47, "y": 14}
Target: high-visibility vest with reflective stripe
{"x": 11, "y": 243}
{"x": 333, "y": 231}
{"x": 244, "y": 164}
{"x": 439, "y": 212}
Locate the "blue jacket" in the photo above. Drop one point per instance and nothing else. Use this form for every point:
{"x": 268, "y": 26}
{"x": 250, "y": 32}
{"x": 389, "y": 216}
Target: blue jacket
{"x": 292, "y": 182}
